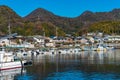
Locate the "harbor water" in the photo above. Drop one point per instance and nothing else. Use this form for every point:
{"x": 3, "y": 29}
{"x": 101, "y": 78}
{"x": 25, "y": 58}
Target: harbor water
{"x": 86, "y": 65}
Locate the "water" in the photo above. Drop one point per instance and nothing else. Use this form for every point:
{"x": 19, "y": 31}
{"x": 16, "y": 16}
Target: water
{"x": 82, "y": 66}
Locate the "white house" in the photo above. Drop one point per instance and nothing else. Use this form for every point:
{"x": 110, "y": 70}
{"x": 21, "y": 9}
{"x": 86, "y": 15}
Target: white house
{"x": 50, "y": 43}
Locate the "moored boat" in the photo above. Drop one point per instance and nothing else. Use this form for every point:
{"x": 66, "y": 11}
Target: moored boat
{"x": 9, "y": 61}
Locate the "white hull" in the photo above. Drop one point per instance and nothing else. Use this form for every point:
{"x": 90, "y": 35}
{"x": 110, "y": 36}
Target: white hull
{"x": 10, "y": 65}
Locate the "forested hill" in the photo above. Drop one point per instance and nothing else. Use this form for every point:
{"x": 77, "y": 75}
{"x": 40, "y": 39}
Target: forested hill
{"x": 42, "y": 20}
{"x": 107, "y": 22}
{"x": 7, "y": 16}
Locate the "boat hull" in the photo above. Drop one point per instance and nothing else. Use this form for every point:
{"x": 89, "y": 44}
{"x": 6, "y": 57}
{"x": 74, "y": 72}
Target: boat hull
{"x": 10, "y": 65}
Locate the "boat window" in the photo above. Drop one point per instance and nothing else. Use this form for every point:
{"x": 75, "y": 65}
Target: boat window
{"x": 16, "y": 58}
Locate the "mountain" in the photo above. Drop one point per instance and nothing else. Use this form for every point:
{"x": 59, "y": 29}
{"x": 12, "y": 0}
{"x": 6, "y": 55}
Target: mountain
{"x": 7, "y": 16}
{"x": 89, "y": 17}
{"x": 73, "y": 24}
{"x": 44, "y": 16}
{"x": 40, "y": 17}
{"x": 25, "y": 27}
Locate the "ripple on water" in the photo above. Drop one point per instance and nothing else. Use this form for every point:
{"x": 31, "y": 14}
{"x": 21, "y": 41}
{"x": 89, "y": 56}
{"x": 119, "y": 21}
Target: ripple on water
{"x": 79, "y": 75}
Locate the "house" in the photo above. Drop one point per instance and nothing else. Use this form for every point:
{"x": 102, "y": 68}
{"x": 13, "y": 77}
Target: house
{"x": 4, "y": 42}
{"x": 112, "y": 38}
{"x": 39, "y": 40}
{"x": 49, "y": 42}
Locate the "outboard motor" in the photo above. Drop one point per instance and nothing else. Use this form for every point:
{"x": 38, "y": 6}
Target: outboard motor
{"x": 32, "y": 52}
{"x": 28, "y": 63}
{"x": 37, "y": 53}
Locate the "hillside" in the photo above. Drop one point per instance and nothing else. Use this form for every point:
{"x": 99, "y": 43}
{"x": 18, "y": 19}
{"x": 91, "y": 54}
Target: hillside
{"x": 25, "y": 27}
{"x": 7, "y": 16}
{"x": 45, "y": 16}
{"x": 73, "y": 24}
{"x": 36, "y": 21}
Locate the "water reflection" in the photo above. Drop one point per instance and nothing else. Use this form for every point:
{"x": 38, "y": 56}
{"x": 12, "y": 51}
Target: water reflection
{"x": 86, "y": 65}
{"x": 10, "y": 74}
{"x": 78, "y": 75}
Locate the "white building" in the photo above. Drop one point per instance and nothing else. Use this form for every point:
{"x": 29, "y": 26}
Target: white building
{"x": 4, "y": 42}
{"x": 113, "y": 38}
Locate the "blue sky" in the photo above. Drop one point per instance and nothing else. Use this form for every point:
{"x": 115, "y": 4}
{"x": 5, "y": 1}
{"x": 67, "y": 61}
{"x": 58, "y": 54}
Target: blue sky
{"x": 67, "y": 8}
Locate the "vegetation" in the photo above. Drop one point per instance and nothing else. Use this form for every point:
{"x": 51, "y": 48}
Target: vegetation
{"x": 23, "y": 27}
{"x": 108, "y": 27}
{"x": 30, "y": 29}
{"x": 43, "y": 22}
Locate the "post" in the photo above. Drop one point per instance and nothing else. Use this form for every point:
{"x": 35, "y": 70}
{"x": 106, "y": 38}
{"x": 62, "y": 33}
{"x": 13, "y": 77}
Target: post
{"x": 9, "y": 31}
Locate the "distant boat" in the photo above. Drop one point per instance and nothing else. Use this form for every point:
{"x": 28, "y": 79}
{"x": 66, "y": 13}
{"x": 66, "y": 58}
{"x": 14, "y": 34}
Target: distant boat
{"x": 101, "y": 47}
{"x": 110, "y": 47}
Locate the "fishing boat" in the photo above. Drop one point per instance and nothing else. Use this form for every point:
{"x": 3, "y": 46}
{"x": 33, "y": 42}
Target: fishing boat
{"x": 101, "y": 47}
{"x": 8, "y": 60}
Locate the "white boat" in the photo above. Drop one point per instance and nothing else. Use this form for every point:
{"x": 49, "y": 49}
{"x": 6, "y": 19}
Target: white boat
{"x": 86, "y": 48}
{"x": 110, "y": 47}
{"x": 21, "y": 53}
{"x": 77, "y": 50}
{"x": 10, "y": 65}
{"x": 53, "y": 51}
{"x": 100, "y": 47}
{"x": 62, "y": 51}
{"x": 9, "y": 61}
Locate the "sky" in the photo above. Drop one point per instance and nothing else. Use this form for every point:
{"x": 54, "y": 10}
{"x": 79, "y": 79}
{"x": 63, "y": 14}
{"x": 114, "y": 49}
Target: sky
{"x": 65, "y": 8}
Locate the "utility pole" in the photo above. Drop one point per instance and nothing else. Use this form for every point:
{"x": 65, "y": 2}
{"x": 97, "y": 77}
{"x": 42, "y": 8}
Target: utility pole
{"x": 56, "y": 32}
{"x": 9, "y": 30}
{"x": 44, "y": 36}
